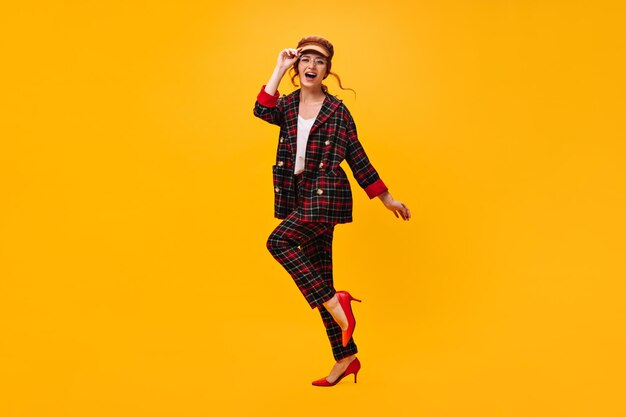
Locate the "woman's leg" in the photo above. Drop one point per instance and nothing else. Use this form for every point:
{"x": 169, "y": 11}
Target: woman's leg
{"x": 319, "y": 251}
{"x": 285, "y": 244}
{"x": 334, "y": 336}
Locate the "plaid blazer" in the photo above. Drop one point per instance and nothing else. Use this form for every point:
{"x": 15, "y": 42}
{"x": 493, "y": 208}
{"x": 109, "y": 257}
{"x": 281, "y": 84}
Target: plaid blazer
{"x": 326, "y": 192}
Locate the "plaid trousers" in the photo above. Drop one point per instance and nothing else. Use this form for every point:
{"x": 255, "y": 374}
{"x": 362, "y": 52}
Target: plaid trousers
{"x": 304, "y": 249}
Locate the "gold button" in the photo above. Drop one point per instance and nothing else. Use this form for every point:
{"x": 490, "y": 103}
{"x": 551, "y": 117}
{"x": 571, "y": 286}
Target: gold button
{"x": 280, "y": 163}
{"x": 320, "y": 191}
{"x": 327, "y": 143}
{"x": 277, "y": 189}
{"x": 321, "y": 165}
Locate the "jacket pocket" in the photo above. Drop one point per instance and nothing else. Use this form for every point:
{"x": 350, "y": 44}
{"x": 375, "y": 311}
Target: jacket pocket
{"x": 284, "y": 191}
{"x": 331, "y": 197}
{"x": 333, "y": 187}
{"x": 331, "y": 180}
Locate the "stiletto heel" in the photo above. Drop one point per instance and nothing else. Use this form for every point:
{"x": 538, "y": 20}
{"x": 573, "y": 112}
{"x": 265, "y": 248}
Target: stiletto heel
{"x": 353, "y": 299}
{"x": 344, "y": 300}
{"x": 353, "y": 368}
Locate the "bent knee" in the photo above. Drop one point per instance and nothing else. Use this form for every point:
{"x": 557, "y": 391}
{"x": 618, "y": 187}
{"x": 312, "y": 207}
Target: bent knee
{"x": 274, "y": 243}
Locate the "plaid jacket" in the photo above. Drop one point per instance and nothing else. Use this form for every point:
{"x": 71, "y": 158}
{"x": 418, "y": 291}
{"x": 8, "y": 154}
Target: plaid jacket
{"x": 327, "y": 196}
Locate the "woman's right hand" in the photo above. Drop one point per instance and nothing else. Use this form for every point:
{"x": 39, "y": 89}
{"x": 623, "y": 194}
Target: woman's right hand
{"x": 287, "y": 57}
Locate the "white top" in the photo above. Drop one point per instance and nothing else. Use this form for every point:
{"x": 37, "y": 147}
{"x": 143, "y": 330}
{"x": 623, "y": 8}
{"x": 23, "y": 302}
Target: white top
{"x": 304, "y": 128}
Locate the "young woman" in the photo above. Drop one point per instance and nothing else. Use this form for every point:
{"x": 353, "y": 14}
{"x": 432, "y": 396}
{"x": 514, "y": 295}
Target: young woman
{"x": 312, "y": 192}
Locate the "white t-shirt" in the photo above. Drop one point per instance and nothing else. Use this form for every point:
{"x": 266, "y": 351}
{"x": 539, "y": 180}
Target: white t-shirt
{"x": 304, "y": 128}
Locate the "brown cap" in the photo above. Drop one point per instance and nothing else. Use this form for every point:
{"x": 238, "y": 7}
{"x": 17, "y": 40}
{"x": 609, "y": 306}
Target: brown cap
{"x": 318, "y": 44}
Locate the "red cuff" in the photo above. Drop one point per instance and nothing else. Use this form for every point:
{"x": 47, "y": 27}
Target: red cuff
{"x": 376, "y": 189}
{"x": 266, "y": 99}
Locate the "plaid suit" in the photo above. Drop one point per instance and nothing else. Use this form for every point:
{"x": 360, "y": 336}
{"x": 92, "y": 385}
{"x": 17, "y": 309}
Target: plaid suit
{"x": 313, "y": 202}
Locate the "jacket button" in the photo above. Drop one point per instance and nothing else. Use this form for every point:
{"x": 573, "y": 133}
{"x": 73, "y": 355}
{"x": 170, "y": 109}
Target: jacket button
{"x": 321, "y": 165}
{"x": 327, "y": 143}
{"x": 282, "y": 140}
{"x": 280, "y": 163}
{"x": 277, "y": 189}
{"x": 320, "y": 191}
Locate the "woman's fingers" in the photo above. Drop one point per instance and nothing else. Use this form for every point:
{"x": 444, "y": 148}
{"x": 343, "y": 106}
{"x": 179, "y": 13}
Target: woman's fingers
{"x": 407, "y": 212}
{"x": 404, "y": 212}
{"x": 400, "y": 208}
{"x": 289, "y": 55}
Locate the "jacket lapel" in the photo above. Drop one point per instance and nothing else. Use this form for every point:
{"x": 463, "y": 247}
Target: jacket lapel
{"x": 291, "y": 119}
{"x": 328, "y": 108}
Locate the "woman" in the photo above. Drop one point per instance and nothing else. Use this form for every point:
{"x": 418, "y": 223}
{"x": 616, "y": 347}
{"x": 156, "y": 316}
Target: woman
{"x": 312, "y": 192}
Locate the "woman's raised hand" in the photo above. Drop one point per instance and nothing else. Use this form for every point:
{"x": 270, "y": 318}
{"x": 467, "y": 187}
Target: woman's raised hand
{"x": 287, "y": 57}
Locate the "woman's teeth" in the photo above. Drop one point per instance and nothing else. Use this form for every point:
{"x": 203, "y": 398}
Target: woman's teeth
{"x": 309, "y": 75}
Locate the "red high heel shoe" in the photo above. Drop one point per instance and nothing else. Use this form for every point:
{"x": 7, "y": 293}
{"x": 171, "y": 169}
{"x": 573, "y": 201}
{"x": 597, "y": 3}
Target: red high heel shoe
{"x": 353, "y": 368}
{"x": 344, "y": 300}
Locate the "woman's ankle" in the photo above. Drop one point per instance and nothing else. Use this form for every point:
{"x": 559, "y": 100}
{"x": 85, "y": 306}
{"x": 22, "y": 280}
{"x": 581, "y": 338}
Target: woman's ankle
{"x": 347, "y": 359}
{"x": 331, "y": 302}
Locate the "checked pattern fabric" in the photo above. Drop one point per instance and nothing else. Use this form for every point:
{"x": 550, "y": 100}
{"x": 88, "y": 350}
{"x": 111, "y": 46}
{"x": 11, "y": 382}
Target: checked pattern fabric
{"x": 311, "y": 204}
{"x": 326, "y": 192}
{"x": 304, "y": 249}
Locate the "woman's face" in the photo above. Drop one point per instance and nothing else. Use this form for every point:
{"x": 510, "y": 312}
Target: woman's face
{"x": 312, "y": 69}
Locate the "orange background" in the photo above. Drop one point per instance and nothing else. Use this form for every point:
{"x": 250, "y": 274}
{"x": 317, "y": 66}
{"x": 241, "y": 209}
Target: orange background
{"x": 137, "y": 197}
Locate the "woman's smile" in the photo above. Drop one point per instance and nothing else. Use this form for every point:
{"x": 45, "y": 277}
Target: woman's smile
{"x": 309, "y": 75}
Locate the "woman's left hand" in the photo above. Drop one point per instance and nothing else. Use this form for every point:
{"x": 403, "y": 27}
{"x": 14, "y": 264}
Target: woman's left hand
{"x": 397, "y": 207}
